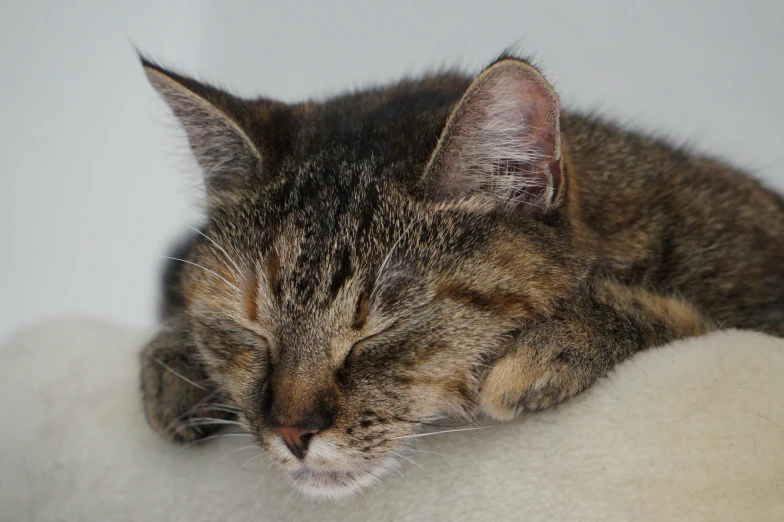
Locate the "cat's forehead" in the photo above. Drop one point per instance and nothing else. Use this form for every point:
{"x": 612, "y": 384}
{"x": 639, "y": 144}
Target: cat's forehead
{"x": 332, "y": 183}
{"x": 331, "y": 225}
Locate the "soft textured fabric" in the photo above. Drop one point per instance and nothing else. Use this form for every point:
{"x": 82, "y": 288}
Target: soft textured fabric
{"x": 692, "y": 431}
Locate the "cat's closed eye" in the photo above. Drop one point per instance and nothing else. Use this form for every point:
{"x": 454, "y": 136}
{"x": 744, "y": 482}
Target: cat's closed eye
{"x": 375, "y": 337}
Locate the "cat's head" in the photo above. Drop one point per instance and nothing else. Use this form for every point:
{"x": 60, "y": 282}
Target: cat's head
{"x": 367, "y": 258}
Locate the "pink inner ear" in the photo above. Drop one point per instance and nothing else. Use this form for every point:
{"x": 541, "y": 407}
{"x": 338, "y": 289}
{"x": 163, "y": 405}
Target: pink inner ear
{"x": 504, "y": 142}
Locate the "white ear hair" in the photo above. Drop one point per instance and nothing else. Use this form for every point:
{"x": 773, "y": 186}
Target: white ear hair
{"x": 222, "y": 148}
{"x": 503, "y": 139}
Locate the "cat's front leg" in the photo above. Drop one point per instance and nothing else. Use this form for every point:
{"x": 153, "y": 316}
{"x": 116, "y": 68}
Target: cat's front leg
{"x": 180, "y": 402}
{"x": 558, "y": 358}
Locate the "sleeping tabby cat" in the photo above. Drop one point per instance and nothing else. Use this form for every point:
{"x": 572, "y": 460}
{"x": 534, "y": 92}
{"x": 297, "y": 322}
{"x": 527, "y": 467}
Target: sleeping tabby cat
{"x": 440, "y": 246}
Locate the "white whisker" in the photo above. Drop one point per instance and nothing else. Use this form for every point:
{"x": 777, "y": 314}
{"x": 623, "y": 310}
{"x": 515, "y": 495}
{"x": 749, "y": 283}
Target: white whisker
{"x": 178, "y": 374}
{"x": 204, "y": 421}
{"x": 232, "y": 452}
{"x": 417, "y": 435}
{"x": 239, "y": 272}
{"x": 408, "y": 459}
{"x": 218, "y": 436}
{"x": 423, "y": 451}
{"x": 288, "y": 498}
{"x": 198, "y": 408}
{"x": 260, "y": 454}
{"x": 389, "y": 254}
{"x": 198, "y": 423}
{"x": 205, "y": 269}
{"x": 216, "y": 407}
{"x": 223, "y": 405}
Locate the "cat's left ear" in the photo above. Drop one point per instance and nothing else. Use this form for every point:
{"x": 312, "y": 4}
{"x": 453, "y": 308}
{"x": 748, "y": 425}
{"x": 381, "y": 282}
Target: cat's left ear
{"x": 218, "y": 129}
{"x": 502, "y": 140}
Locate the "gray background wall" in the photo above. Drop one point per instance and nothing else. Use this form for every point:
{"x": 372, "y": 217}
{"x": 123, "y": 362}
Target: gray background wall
{"x": 96, "y": 178}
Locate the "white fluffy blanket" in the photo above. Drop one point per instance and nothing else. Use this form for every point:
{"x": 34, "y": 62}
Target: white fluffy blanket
{"x": 692, "y": 431}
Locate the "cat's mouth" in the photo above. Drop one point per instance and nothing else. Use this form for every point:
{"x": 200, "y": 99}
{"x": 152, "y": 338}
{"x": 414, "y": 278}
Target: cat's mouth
{"x": 328, "y": 473}
{"x": 332, "y": 484}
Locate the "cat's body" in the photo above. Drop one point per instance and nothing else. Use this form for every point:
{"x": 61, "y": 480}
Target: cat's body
{"x": 436, "y": 247}
{"x": 680, "y": 224}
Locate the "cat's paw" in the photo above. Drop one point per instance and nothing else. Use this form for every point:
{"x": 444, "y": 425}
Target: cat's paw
{"x": 178, "y": 401}
{"x": 515, "y": 385}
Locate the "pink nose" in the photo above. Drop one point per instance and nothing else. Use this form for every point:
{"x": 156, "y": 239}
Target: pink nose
{"x": 297, "y": 439}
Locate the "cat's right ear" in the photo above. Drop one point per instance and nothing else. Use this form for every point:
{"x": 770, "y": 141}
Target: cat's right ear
{"x": 217, "y": 127}
{"x": 502, "y": 140}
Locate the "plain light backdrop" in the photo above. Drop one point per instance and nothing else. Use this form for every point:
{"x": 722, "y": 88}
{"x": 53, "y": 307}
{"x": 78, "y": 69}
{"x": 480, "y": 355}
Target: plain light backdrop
{"x": 96, "y": 177}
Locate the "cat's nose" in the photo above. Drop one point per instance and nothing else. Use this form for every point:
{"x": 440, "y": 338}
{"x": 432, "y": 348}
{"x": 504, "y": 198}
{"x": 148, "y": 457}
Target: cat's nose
{"x": 297, "y": 439}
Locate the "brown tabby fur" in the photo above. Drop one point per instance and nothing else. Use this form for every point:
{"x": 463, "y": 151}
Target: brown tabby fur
{"x": 367, "y": 275}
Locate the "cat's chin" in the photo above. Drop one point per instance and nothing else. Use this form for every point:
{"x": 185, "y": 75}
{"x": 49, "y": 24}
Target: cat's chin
{"x": 328, "y": 474}
{"x": 333, "y": 484}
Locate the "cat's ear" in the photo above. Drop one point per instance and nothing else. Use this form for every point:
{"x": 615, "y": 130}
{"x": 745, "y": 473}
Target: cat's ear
{"x": 217, "y": 127}
{"x": 502, "y": 140}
